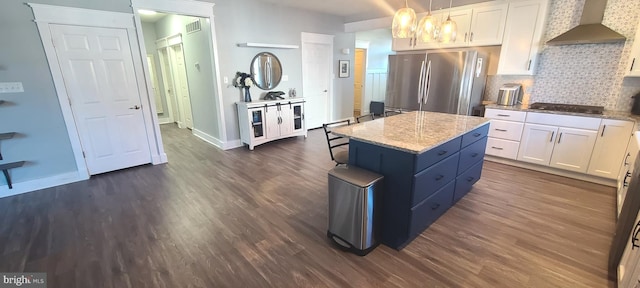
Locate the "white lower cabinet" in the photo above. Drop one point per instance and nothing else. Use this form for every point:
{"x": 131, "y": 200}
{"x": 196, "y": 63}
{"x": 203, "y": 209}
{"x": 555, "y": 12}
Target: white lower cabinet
{"x": 264, "y": 121}
{"x": 613, "y": 137}
{"x": 572, "y": 149}
{"x": 537, "y": 143}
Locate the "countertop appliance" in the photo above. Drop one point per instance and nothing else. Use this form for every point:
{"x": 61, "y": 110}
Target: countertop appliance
{"x": 624, "y": 256}
{"x": 510, "y": 94}
{"x": 450, "y": 82}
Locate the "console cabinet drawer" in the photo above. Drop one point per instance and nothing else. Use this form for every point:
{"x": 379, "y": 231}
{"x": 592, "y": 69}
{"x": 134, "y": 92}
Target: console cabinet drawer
{"x": 429, "y": 210}
{"x": 431, "y": 179}
{"x": 466, "y": 180}
{"x": 471, "y": 155}
{"x": 506, "y": 130}
{"x": 508, "y": 115}
{"x": 502, "y": 148}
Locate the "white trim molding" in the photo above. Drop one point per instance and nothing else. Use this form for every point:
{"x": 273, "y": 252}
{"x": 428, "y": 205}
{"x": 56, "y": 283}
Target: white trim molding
{"x": 42, "y": 183}
{"x": 217, "y": 142}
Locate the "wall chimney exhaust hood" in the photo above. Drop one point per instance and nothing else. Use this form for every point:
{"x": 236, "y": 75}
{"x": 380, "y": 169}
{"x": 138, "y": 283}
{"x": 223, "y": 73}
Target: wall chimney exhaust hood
{"x": 590, "y": 30}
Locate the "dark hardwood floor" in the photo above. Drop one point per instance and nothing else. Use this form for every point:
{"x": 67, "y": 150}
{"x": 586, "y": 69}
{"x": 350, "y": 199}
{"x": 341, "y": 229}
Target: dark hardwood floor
{"x": 241, "y": 218}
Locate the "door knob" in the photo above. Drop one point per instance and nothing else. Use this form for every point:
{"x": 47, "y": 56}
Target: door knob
{"x": 324, "y": 91}
{"x": 135, "y": 107}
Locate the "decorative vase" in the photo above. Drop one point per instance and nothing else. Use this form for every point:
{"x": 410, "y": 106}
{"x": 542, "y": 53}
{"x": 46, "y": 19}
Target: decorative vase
{"x": 247, "y": 95}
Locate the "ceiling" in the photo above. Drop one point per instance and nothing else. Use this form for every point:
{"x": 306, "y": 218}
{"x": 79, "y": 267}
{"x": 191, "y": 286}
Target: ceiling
{"x": 356, "y": 10}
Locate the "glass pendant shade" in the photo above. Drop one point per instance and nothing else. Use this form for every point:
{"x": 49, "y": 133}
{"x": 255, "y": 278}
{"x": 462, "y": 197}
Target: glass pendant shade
{"x": 427, "y": 29}
{"x": 404, "y": 23}
{"x": 448, "y": 31}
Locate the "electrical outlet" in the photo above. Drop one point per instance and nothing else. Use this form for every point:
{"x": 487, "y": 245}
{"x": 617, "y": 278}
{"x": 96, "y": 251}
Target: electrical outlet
{"x": 11, "y": 87}
{"x": 285, "y": 77}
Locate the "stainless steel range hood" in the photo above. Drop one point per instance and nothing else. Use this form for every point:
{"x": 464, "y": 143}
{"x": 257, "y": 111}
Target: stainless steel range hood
{"x": 590, "y": 30}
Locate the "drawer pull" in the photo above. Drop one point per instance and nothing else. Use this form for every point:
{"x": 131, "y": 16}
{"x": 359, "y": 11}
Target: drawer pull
{"x": 469, "y": 179}
{"x": 624, "y": 181}
{"x": 603, "y": 127}
{"x": 504, "y": 115}
{"x": 551, "y": 139}
{"x": 435, "y": 206}
{"x": 501, "y": 130}
{"x": 474, "y": 155}
{"x": 439, "y": 177}
{"x": 442, "y": 152}
{"x": 476, "y": 134}
{"x": 497, "y": 148}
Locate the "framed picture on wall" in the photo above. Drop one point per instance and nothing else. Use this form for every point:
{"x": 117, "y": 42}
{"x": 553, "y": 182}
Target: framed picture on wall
{"x": 343, "y": 68}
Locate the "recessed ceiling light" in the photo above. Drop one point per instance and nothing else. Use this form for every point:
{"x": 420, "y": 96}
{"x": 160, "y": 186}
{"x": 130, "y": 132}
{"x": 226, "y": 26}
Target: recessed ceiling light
{"x": 146, "y": 12}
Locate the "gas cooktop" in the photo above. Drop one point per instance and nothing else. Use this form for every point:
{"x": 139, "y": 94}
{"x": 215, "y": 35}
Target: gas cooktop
{"x": 567, "y": 108}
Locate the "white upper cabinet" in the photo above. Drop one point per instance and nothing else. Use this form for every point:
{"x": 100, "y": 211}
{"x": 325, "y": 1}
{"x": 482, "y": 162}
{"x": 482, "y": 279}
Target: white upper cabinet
{"x": 463, "y": 22}
{"x": 522, "y": 37}
{"x": 634, "y": 59}
{"x": 487, "y": 25}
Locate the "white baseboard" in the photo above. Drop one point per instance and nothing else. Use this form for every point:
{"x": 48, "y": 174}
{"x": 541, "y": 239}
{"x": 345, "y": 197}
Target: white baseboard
{"x": 164, "y": 121}
{"x": 217, "y": 142}
{"x": 233, "y": 144}
{"x": 42, "y": 183}
{"x": 159, "y": 159}
{"x": 554, "y": 171}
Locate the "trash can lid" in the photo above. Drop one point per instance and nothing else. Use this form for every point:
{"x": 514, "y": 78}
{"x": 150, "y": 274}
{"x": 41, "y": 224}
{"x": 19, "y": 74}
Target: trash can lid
{"x": 355, "y": 175}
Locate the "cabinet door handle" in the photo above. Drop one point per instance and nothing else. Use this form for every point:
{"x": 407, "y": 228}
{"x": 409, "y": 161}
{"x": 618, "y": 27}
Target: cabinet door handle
{"x": 504, "y": 115}
{"x": 624, "y": 181}
{"x": 439, "y": 177}
{"x": 411, "y": 42}
{"x": 471, "y": 37}
{"x": 603, "y": 127}
{"x": 626, "y": 159}
{"x": 529, "y": 65}
{"x": 442, "y": 152}
{"x": 474, "y": 155}
{"x": 501, "y": 130}
{"x": 465, "y": 36}
{"x": 551, "y": 139}
{"x": 497, "y": 148}
{"x": 469, "y": 179}
{"x": 632, "y": 62}
{"x": 435, "y": 206}
{"x": 559, "y": 138}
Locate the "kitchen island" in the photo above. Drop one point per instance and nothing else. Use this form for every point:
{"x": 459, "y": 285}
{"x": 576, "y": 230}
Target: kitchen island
{"x": 429, "y": 161}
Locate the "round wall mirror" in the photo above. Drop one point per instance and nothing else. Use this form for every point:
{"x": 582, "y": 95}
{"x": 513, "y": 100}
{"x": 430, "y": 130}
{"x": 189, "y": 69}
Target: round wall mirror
{"x": 266, "y": 70}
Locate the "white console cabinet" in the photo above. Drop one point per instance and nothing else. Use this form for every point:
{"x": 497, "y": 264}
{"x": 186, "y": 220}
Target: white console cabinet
{"x": 264, "y": 121}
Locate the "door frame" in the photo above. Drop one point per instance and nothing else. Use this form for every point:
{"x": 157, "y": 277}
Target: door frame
{"x": 197, "y": 9}
{"x": 164, "y": 45}
{"x": 52, "y": 14}
{"x": 327, "y": 40}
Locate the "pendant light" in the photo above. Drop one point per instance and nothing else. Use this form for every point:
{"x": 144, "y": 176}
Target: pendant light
{"x": 427, "y": 28}
{"x": 449, "y": 29}
{"x": 404, "y": 22}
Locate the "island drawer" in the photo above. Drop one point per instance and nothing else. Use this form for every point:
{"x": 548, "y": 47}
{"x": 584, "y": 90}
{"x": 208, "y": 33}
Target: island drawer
{"x": 431, "y": 179}
{"x": 433, "y": 156}
{"x": 508, "y": 115}
{"x": 506, "y": 130}
{"x": 474, "y": 135}
{"x": 471, "y": 155}
{"x": 429, "y": 210}
{"x": 466, "y": 180}
{"x": 502, "y": 148}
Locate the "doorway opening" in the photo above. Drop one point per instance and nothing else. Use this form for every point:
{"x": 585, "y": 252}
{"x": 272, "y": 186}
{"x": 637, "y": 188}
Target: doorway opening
{"x": 360, "y": 64}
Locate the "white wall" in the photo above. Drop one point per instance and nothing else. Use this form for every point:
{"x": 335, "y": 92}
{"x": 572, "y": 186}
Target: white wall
{"x": 149, "y": 33}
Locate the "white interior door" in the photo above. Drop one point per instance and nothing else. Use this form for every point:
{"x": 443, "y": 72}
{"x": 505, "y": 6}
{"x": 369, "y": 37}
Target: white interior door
{"x": 154, "y": 83}
{"x": 97, "y": 67}
{"x": 317, "y": 59}
{"x": 179, "y": 71}
{"x": 167, "y": 81}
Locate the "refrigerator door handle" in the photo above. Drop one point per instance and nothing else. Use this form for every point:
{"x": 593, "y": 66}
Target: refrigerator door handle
{"x": 428, "y": 83}
{"x": 421, "y": 82}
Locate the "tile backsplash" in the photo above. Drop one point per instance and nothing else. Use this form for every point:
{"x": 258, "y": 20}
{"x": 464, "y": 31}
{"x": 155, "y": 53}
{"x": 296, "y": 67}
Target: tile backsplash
{"x": 588, "y": 74}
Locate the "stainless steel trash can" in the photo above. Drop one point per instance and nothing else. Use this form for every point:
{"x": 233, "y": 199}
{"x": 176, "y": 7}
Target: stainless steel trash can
{"x": 354, "y": 208}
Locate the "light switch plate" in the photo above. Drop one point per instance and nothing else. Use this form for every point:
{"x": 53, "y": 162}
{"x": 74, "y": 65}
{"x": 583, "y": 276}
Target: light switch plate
{"x": 11, "y": 87}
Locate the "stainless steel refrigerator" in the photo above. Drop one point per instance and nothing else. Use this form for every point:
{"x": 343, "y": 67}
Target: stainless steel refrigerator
{"x": 450, "y": 82}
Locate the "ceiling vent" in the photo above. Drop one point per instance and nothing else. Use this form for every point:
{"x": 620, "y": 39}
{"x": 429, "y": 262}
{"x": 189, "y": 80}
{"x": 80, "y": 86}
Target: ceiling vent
{"x": 590, "y": 30}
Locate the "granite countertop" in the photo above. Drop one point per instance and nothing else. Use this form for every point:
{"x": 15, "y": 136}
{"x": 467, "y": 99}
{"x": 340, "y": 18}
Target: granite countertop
{"x": 413, "y": 132}
{"x": 607, "y": 114}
